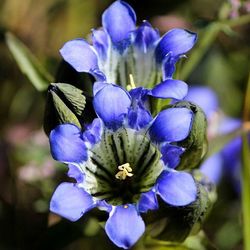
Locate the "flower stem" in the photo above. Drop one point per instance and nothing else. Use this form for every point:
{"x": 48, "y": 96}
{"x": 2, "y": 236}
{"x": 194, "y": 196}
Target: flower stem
{"x": 208, "y": 35}
{"x": 246, "y": 172}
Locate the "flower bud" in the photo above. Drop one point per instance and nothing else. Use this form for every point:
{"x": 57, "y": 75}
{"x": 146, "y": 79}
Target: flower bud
{"x": 66, "y": 104}
{"x": 196, "y": 143}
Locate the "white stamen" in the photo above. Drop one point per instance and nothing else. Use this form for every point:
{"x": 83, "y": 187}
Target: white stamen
{"x": 124, "y": 172}
{"x": 132, "y": 83}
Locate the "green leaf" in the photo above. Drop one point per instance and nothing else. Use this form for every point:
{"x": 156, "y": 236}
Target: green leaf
{"x": 73, "y": 95}
{"x": 28, "y": 63}
{"x": 65, "y": 115}
{"x": 196, "y": 143}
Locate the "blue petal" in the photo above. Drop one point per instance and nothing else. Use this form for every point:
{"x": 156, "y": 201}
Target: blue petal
{"x": 111, "y": 104}
{"x": 100, "y": 43}
{"x": 70, "y": 202}
{"x": 103, "y": 205}
{"x": 169, "y": 65}
{"x": 177, "y": 42}
{"x": 148, "y": 201}
{"x": 205, "y": 97}
{"x": 177, "y": 188}
{"x": 212, "y": 168}
{"x": 145, "y": 37}
{"x": 118, "y": 20}
{"x": 80, "y": 55}
{"x": 66, "y": 144}
{"x": 98, "y": 86}
{"x": 171, "y": 125}
{"x": 229, "y": 124}
{"x": 170, "y": 88}
{"x": 93, "y": 132}
{"x": 76, "y": 173}
{"x": 124, "y": 226}
{"x": 138, "y": 118}
{"x": 171, "y": 155}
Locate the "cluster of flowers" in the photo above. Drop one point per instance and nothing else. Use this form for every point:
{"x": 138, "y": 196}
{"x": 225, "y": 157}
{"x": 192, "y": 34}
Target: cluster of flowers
{"x": 126, "y": 159}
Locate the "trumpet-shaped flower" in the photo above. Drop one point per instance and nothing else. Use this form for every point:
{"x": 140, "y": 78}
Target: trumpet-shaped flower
{"x": 123, "y": 161}
{"x": 120, "y": 49}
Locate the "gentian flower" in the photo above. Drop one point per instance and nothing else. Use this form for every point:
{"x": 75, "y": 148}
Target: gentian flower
{"x": 122, "y": 162}
{"x": 120, "y": 50}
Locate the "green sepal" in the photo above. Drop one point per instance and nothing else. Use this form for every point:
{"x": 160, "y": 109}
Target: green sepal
{"x": 74, "y": 95}
{"x": 59, "y": 109}
{"x": 175, "y": 224}
{"x": 196, "y": 143}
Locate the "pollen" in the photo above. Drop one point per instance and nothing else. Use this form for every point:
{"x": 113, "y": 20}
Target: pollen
{"x": 132, "y": 83}
{"x": 125, "y": 171}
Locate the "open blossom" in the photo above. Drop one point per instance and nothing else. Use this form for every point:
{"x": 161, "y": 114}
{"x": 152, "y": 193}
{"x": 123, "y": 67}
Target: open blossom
{"x": 120, "y": 49}
{"x": 122, "y": 162}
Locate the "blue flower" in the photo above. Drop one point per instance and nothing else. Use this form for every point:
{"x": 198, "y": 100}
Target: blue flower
{"x": 122, "y": 162}
{"x": 120, "y": 50}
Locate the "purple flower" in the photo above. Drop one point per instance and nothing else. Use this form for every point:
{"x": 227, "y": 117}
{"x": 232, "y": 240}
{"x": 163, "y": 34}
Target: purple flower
{"x": 122, "y": 162}
{"x": 120, "y": 50}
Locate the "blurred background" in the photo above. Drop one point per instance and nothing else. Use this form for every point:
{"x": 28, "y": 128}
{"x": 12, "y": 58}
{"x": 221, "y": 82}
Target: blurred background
{"x": 28, "y": 174}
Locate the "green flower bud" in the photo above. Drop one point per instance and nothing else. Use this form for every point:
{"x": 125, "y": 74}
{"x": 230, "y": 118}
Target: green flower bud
{"x": 66, "y": 104}
{"x": 196, "y": 143}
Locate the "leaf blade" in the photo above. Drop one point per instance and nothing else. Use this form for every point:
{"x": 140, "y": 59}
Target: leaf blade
{"x": 28, "y": 63}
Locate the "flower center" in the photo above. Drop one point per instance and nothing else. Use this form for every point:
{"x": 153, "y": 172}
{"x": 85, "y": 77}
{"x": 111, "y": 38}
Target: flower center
{"x": 124, "y": 164}
{"x": 124, "y": 172}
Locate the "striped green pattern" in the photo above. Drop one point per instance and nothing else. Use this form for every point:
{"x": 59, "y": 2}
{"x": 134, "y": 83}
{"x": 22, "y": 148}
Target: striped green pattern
{"x": 116, "y": 148}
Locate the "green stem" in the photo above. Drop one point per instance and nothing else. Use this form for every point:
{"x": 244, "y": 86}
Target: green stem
{"x": 208, "y": 36}
{"x": 246, "y": 172}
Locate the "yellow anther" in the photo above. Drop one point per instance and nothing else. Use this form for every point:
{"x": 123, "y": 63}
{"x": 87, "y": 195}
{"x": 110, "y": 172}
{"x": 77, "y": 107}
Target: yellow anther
{"x": 124, "y": 172}
{"x": 132, "y": 83}
{"x": 125, "y": 206}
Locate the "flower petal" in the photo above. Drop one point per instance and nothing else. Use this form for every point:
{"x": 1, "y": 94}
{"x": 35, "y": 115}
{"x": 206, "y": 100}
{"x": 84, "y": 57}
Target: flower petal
{"x": 177, "y": 42}
{"x": 212, "y": 168}
{"x": 76, "y": 173}
{"x": 170, "y": 88}
{"x": 138, "y": 117}
{"x": 93, "y": 132}
{"x": 111, "y": 104}
{"x": 145, "y": 37}
{"x": 66, "y": 144}
{"x": 70, "y": 202}
{"x": 100, "y": 42}
{"x": 204, "y": 97}
{"x": 98, "y": 86}
{"x": 148, "y": 201}
{"x": 171, "y": 155}
{"x": 177, "y": 188}
{"x": 118, "y": 20}
{"x": 124, "y": 226}
{"x": 171, "y": 125}
{"x": 80, "y": 55}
